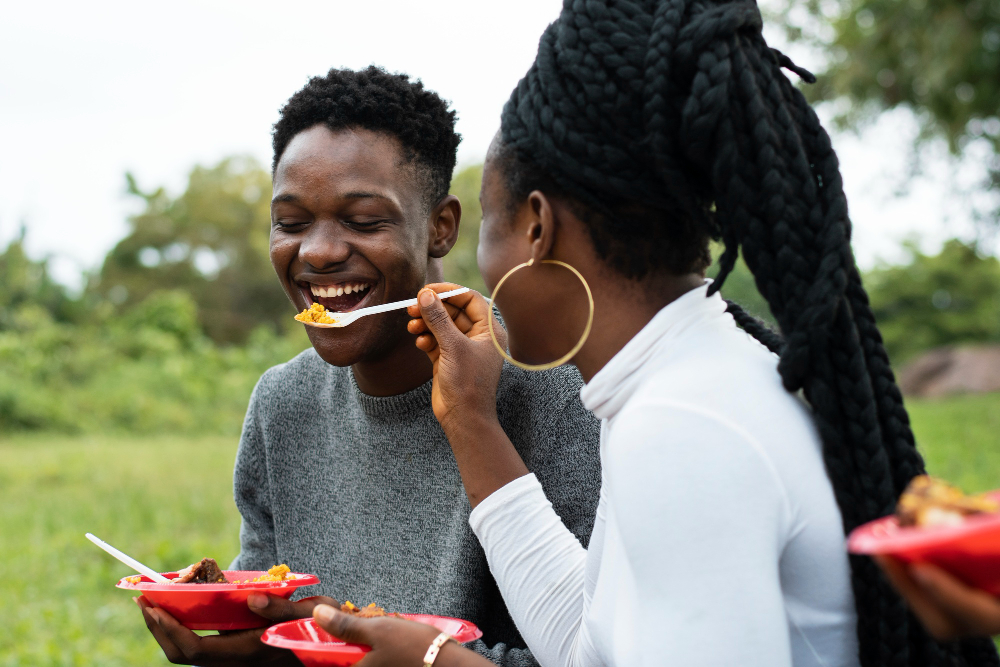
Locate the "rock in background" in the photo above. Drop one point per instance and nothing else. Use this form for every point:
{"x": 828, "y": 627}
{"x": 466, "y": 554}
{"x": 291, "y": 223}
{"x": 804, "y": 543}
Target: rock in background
{"x": 952, "y": 370}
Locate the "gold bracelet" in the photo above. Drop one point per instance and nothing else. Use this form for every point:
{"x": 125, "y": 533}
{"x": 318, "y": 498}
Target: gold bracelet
{"x": 435, "y": 648}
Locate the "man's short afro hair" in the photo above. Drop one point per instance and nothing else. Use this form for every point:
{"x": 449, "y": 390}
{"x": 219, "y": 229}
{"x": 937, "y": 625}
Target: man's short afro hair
{"x": 378, "y": 101}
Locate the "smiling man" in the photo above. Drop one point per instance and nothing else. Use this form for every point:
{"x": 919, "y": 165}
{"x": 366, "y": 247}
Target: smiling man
{"x": 342, "y": 469}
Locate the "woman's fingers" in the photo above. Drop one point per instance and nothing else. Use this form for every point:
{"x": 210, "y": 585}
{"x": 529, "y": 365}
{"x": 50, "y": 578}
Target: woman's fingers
{"x": 936, "y": 622}
{"x": 457, "y": 301}
{"x": 428, "y": 344}
{"x": 947, "y": 607}
{"x": 459, "y": 317}
{"x": 438, "y": 320}
{"x": 972, "y": 612}
{"x": 466, "y": 310}
{"x": 343, "y": 626}
{"x": 393, "y": 641}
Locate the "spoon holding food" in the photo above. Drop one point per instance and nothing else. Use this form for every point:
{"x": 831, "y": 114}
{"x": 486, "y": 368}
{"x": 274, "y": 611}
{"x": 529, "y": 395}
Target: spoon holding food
{"x": 318, "y": 316}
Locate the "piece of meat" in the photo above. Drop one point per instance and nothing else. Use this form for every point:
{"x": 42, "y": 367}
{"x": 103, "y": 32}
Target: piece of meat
{"x": 207, "y": 571}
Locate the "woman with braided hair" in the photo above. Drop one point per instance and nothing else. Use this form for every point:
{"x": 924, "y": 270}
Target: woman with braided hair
{"x": 731, "y": 469}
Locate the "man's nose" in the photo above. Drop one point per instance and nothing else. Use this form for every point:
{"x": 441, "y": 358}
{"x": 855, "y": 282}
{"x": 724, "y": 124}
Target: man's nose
{"x": 324, "y": 245}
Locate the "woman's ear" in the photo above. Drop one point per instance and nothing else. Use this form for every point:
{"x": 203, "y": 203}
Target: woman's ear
{"x": 444, "y": 222}
{"x": 542, "y": 225}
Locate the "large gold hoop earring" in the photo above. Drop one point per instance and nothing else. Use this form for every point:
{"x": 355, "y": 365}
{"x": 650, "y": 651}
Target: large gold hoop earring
{"x": 576, "y": 348}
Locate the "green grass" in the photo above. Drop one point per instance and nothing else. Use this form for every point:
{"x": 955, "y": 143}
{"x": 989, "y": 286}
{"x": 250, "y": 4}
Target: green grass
{"x": 960, "y": 439}
{"x": 168, "y": 501}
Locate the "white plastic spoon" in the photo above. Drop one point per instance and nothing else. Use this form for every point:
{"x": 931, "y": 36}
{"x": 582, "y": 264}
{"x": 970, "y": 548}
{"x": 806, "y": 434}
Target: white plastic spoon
{"x": 128, "y": 560}
{"x": 343, "y": 319}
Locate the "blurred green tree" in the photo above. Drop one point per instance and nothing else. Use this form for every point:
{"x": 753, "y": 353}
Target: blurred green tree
{"x": 26, "y": 282}
{"x": 939, "y": 58}
{"x": 460, "y": 264}
{"x": 952, "y": 297}
{"x": 211, "y": 242}
{"x": 741, "y": 288}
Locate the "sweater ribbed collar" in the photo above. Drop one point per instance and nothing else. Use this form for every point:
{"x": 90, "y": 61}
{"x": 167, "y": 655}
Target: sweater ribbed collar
{"x": 413, "y": 402}
{"x": 612, "y": 386}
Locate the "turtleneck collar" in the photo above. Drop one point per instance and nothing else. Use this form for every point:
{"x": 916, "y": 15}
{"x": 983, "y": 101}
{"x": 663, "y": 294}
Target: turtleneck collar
{"x": 614, "y": 384}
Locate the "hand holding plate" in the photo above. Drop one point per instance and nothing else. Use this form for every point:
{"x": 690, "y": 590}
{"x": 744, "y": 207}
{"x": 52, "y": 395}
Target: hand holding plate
{"x": 393, "y": 641}
{"x": 183, "y": 647}
{"x": 948, "y": 608}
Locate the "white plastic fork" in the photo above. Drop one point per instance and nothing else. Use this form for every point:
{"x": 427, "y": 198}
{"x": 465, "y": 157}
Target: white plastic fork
{"x": 128, "y": 560}
{"x": 352, "y": 316}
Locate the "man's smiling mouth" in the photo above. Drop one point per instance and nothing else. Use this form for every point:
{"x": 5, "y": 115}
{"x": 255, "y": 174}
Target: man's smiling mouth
{"x": 337, "y": 297}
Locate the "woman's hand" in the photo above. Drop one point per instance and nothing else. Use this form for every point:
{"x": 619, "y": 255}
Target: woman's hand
{"x": 947, "y": 607}
{"x": 456, "y": 337}
{"x": 395, "y": 642}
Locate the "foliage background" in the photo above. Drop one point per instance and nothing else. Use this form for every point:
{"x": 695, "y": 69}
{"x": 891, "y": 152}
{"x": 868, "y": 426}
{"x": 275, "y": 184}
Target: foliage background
{"x": 173, "y": 331}
{"x": 938, "y": 60}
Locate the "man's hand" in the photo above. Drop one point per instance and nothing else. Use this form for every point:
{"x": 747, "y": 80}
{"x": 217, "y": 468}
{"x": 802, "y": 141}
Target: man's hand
{"x": 395, "y": 642}
{"x": 947, "y": 607}
{"x": 238, "y": 647}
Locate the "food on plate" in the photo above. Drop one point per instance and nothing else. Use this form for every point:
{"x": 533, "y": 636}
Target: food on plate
{"x": 930, "y": 502}
{"x": 276, "y": 573}
{"x": 315, "y": 313}
{"x": 206, "y": 571}
{"x": 371, "y": 611}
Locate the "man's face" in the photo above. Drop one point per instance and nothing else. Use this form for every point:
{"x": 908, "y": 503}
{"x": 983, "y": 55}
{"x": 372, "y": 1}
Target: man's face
{"x": 349, "y": 230}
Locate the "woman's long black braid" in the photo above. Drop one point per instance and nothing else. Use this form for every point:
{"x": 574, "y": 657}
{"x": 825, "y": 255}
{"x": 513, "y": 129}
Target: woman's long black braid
{"x": 680, "y": 106}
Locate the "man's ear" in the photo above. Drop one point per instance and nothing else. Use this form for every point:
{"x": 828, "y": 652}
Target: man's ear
{"x": 541, "y": 229}
{"x": 444, "y": 221}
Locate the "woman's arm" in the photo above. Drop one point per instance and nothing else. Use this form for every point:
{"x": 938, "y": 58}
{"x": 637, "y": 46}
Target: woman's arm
{"x": 464, "y": 396}
{"x": 537, "y": 562}
{"x": 539, "y": 566}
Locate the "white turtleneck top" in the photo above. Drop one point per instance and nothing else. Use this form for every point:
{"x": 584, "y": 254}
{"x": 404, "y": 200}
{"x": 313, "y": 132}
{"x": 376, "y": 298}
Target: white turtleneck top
{"x": 717, "y": 540}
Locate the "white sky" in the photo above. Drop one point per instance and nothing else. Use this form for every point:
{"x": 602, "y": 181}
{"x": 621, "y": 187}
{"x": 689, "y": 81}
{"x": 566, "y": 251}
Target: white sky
{"x": 90, "y": 90}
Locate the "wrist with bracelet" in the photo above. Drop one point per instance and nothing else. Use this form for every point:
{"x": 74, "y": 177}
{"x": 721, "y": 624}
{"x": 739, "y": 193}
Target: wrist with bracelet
{"x": 435, "y": 648}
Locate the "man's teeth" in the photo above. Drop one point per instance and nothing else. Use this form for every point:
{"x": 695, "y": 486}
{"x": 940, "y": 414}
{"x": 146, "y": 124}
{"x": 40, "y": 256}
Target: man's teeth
{"x": 338, "y": 290}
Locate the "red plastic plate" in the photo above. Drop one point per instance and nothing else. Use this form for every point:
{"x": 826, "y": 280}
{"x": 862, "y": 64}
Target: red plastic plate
{"x": 315, "y": 647}
{"x": 215, "y": 606}
{"x": 970, "y": 551}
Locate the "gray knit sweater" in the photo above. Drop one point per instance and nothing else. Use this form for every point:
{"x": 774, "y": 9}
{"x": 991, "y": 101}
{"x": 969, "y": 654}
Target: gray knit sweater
{"x": 365, "y": 493}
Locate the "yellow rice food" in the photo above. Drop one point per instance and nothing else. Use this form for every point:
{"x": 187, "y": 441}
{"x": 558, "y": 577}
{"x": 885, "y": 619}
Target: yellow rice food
{"x": 315, "y": 313}
{"x": 276, "y": 573}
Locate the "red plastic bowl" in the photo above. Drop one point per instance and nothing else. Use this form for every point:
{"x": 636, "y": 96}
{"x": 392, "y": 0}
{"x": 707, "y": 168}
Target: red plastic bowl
{"x": 215, "y": 606}
{"x": 970, "y": 551}
{"x": 315, "y": 647}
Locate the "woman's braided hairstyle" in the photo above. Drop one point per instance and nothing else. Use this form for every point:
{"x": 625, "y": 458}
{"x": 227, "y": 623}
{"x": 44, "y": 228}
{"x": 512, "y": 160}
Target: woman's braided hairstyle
{"x": 680, "y": 107}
